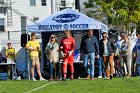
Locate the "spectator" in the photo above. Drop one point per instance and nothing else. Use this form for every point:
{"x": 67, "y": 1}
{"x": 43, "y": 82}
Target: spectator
{"x": 137, "y": 52}
{"x": 126, "y": 55}
{"x": 101, "y": 67}
{"x": 2, "y": 60}
{"x": 117, "y": 58}
{"x": 89, "y": 45}
{"x": 52, "y": 52}
{"x": 10, "y": 53}
{"x": 34, "y": 47}
{"x": 107, "y": 50}
{"x": 67, "y": 48}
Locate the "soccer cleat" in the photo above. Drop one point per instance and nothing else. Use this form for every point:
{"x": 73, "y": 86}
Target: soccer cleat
{"x": 64, "y": 79}
{"x": 71, "y": 78}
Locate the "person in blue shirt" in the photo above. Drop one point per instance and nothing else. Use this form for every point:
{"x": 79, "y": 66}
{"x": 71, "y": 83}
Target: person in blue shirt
{"x": 89, "y": 46}
{"x": 137, "y": 52}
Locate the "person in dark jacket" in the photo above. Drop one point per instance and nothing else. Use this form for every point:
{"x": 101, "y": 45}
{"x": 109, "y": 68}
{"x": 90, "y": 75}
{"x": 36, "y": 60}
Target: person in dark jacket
{"x": 107, "y": 50}
{"x": 89, "y": 45}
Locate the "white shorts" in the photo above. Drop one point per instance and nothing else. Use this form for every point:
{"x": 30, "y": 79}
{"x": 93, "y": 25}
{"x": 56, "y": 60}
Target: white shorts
{"x": 10, "y": 60}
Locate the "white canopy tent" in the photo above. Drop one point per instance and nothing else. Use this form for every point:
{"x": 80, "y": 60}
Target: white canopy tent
{"x": 67, "y": 19}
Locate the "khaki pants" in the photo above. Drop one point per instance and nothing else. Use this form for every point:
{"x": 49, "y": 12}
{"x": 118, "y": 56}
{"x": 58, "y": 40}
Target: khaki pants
{"x": 108, "y": 59}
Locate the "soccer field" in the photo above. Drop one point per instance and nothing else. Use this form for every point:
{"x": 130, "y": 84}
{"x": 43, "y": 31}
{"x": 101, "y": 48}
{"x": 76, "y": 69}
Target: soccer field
{"x": 117, "y": 85}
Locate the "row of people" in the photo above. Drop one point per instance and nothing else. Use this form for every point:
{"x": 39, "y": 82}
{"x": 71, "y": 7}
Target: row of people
{"x": 105, "y": 50}
{"x": 66, "y": 48}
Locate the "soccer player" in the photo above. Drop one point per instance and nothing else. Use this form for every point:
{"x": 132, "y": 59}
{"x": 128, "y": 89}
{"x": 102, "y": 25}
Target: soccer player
{"x": 67, "y": 47}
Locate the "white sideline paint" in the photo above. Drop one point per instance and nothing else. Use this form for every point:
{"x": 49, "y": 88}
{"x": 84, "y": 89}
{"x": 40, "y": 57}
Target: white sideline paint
{"x": 41, "y": 87}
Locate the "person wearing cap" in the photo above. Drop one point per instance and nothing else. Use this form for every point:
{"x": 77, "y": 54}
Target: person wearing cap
{"x": 107, "y": 50}
{"x": 89, "y": 46}
{"x": 67, "y": 48}
{"x": 137, "y": 52}
{"x": 126, "y": 55}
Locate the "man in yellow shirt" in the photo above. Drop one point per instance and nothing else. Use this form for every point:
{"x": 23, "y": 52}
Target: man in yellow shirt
{"x": 34, "y": 47}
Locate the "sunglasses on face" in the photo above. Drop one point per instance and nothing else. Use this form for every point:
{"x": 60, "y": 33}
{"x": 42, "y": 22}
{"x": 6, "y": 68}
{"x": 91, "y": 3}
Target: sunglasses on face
{"x": 52, "y": 37}
{"x": 103, "y": 36}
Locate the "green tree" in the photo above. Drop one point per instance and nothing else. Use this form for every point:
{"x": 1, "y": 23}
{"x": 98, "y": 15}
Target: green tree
{"x": 124, "y": 13}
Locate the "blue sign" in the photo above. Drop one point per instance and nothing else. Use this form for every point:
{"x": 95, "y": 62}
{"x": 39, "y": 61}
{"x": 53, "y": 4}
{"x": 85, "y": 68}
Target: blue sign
{"x": 63, "y": 26}
{"x": 66, "y": 18}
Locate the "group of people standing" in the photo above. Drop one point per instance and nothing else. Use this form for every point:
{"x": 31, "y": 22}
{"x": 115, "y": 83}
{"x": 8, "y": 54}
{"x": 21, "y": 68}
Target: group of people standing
{"x": 108, "y": 54}
{"x": 52, "y": 51}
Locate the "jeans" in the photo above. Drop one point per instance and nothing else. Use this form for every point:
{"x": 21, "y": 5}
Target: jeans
{"x": 138, "y": 64}
{"x": 89, "y": 65}
{"x": 101, "y": 66}
{"x": 56, "y": 67}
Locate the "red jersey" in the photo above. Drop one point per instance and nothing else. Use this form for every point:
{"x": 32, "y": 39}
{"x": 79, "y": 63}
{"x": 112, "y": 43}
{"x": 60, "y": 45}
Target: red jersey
{"x": 68, "y": 45}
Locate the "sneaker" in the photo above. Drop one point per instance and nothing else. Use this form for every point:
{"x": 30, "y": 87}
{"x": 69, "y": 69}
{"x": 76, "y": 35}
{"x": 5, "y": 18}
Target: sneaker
{"x": 129, "y": 76}
{"x": 107, "y": 78}
{"x": 33, "y": 79}
{"x": 99, "y": 76}
{"x": 42, "y": 79}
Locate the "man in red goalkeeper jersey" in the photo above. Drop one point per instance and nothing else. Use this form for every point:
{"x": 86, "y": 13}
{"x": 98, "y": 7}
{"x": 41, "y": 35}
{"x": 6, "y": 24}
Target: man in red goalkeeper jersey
{"x": 67, "y": 47}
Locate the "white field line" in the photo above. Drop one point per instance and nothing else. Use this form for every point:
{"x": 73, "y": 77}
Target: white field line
{"x": 41, "y": 87}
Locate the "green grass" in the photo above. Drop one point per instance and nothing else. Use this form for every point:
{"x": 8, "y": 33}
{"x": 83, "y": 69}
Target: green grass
{"x": 117, "y": 85}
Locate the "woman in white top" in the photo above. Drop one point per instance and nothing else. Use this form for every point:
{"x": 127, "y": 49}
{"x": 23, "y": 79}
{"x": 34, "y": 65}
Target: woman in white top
{"x": 52, "y": 53}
